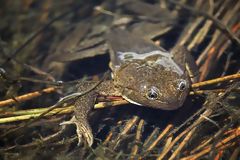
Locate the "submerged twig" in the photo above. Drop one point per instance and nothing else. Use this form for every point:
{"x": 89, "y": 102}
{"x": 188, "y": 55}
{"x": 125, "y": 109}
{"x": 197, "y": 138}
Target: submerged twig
{"x": 138, "y": 139}
{"x": 216, "y": 22}
{"x": 59, "y": 103}
{"x": 182, "y": 144}
{"x": 125, "y": 130}
{"x": 217, "y": 80}
{"x": 182, "y": 134}
{"x": 27, "y": 96}
{"x": 160, "y": 137}
{"x": 220, "y": 145}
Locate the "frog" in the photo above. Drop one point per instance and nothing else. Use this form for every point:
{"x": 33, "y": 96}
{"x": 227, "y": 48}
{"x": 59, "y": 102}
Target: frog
{"x": 142, "y": 73}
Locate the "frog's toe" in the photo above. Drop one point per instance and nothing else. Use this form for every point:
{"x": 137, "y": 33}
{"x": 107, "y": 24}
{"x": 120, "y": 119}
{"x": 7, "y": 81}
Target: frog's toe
{"x": 83, "y": 130}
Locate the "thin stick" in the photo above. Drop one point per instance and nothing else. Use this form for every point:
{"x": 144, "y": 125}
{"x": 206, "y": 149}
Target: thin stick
{"x": 219, "y": 145}
{"x": 138, "y": 139}
{"x": 182, "y": 144}
{"x": 108, "y": 138}
{"x": 27, "y": 96}
{"x": 163, "y": 154}
{"x": 166, "y": 150}
{"x": 151, "y": 137}
{"x": 235, "y": 154}
{"x": 59, "y": 103}
{"x": 159, "y": 138}
{"x": 129, "y": 125}
{"x": 217, "y": 80}
{"x": 125, "y": 130}
{"x": 32, "y": 113}
{"x": 56, "y": 111}
{"x": 200, "y": 92}
{"x": 215, "y": 21}
{"x": 219, "y": 155}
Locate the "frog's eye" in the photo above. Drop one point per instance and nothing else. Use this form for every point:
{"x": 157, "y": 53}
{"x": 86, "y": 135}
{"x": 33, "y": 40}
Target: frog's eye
{"x": 152, "y": 94}
{"x": 182, "y": 85}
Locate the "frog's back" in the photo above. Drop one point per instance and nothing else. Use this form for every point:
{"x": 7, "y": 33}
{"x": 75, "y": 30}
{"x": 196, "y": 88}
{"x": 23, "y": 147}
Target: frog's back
{"x": 122, "y": 43}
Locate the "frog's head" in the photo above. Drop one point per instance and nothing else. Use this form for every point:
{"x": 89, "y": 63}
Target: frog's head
{"x": 155, "y": 84}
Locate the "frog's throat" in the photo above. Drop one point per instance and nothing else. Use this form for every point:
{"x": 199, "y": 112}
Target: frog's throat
{"x": 165, "y": 59}
{"x": 131, "y": 101}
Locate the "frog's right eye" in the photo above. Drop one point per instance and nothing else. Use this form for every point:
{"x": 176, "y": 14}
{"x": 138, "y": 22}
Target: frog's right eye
{"x": 152, "y": 94}
{"x": 182, "y": 85}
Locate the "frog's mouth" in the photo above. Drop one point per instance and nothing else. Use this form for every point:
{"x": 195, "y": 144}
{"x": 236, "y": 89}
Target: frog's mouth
{"x": 131, "y": 101}
{"x": 170, "y": 104}
{"x": 163, "y": 105}
{"x": 143, "y": 101}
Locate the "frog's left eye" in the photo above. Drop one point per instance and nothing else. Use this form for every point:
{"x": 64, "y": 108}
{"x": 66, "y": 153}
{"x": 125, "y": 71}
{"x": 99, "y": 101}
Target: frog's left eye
{"x": 182, "y": 85}
{"x": 153, "y": 93}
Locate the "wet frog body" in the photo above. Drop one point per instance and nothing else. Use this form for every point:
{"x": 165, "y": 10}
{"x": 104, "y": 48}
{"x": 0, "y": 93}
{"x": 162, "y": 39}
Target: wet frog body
{"x": 142, "y": 73}
{"x": 147, "y": 74}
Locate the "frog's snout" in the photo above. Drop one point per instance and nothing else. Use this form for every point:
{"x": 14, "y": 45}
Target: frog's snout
{"x": 170, "y": 103}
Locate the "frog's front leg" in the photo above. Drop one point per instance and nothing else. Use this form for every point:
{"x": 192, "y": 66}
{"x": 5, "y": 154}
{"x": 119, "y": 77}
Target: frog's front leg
{"x": 85, "y": 103}
{"x": 83, "y": 106}
{"x": 184, "y": 59}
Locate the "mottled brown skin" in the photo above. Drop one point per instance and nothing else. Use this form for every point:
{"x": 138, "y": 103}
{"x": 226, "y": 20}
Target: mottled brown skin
{"x": 136, "y": 75}
{"x": 136, "y": 89}
{"x": 134, "y": 79}
{"x": 84, "y": 104}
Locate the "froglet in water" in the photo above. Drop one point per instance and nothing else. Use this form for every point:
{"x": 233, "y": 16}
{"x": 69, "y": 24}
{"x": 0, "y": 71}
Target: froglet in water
{"x": 142, "y": 73}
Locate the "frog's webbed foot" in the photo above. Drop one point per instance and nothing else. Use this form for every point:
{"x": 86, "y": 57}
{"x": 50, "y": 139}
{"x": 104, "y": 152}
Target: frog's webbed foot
{"x": 83, "y": 105}
{"x": 82, "y": 128}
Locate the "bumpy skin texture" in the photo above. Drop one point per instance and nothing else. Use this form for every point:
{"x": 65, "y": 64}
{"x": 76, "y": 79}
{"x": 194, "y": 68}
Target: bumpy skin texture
{"x": 139, "y": 68}
{"x": 84, "y": 104}
{"x": 136, "y": 89}
{"x": 143, "y": 74}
